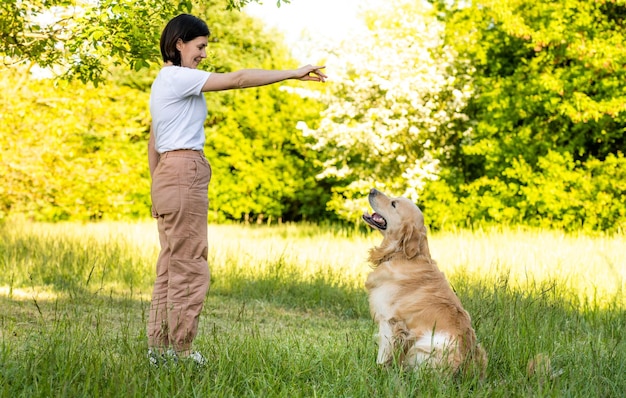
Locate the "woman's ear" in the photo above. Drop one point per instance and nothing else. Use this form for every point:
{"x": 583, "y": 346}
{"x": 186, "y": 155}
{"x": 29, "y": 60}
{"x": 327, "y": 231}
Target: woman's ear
{"x": 179, "y": 44}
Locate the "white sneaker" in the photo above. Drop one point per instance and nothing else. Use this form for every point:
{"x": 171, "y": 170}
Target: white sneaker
{"x": 197, "y": 358}
{"x": 155, "y": 358}
{"x": 170, "y": 353}
{"x": 170, "y": 357}
{"x": 165, "y": 359}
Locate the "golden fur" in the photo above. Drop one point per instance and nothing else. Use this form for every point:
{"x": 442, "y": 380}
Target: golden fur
{"x": 420, "y": 318}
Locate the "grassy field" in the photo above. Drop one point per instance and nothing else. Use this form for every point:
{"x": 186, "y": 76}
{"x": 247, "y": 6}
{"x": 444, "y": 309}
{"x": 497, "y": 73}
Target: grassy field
{"x": 287, "y": 313}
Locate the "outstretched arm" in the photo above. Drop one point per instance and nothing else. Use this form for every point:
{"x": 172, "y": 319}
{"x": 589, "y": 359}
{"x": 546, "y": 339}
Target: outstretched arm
{"x": 245, "y": 78}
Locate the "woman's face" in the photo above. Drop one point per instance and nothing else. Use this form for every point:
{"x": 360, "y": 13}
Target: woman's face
{"x": 192, "y": 52}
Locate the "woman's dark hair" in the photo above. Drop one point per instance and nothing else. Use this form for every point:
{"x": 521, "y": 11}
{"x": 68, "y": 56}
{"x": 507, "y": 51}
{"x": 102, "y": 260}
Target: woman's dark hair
{"x": 185, "y": 27}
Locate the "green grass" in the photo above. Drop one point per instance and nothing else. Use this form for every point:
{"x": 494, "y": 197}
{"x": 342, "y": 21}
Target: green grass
{"x": 287, "y": 313}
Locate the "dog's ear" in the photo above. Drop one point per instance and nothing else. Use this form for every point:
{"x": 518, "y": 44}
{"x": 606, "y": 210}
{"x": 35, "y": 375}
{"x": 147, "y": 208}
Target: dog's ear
{"x": 411, "y": 241}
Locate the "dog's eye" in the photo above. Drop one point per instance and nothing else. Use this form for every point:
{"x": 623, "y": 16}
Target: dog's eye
{"x": 393, "y": 204}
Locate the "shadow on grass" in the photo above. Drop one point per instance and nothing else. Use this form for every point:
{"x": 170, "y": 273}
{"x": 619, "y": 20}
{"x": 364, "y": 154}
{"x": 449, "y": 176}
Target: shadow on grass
{"x": 319, "y": 293}
{"x": 584, "y": 342}
{"x": 87, "y": 331}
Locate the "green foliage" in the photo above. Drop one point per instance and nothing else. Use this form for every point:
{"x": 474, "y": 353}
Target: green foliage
{"x": 558, "y": 192}
{"x": 554, "y": 195}
{"x": 549, "y": 109}
{"x": 65, "y": 154}
{"x": 262, "y": 168}
{"x": 518, "y": 118}
{"x": 389, "y": 105}
{"x": 82, "y": 39}
{"x": 72, "y": 151}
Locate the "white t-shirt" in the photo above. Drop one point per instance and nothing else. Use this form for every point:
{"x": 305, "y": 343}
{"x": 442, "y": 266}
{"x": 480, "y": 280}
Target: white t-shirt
{"x": 178, "y": 109}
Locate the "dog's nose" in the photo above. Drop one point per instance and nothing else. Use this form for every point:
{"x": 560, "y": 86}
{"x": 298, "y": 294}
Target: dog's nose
{"x": 374, "y": 192}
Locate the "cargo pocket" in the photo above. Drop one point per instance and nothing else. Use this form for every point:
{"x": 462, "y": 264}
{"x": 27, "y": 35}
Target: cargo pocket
{"x": 198, "y": 208}
{"x": 166, "y": 189}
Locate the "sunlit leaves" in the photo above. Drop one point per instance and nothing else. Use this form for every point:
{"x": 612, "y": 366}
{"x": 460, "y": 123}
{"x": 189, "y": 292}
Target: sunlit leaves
{"x": 81, "y": 39}
{"x": 262, "y": 170}
{"x": 390, "y": 102}
{"x": 550, "y": 101}
{"x": 70, "y": 151}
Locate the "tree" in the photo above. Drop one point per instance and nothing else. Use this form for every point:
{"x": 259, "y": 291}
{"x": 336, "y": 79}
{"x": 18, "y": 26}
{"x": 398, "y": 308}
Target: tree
{"x": 391, "y": 109}
{"x": 548, "y": 75}
{"x": 262, "y": 167}
{"x": 69, "y": 151}
{"x": 550, "y": 88}
{"x": 82, "y": 39}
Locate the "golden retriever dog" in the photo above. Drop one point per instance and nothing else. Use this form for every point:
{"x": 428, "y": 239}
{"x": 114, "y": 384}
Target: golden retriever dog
{"x": 420, "y": 319}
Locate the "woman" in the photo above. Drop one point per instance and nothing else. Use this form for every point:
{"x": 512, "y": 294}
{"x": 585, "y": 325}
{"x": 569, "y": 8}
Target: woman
{"x": 180, "y": 179}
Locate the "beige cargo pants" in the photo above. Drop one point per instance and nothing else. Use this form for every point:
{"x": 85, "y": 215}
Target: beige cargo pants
{"x": 180, "y": 203}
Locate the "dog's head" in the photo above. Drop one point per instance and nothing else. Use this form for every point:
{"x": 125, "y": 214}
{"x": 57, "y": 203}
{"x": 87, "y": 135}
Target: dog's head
{"x": 402, "y": 224}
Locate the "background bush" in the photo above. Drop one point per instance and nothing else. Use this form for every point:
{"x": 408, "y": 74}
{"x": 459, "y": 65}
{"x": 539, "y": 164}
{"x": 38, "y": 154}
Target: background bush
{"x": 516, "y": 115}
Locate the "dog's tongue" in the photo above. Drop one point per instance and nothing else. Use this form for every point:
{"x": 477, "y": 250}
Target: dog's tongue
{"x": 379, "y": 219}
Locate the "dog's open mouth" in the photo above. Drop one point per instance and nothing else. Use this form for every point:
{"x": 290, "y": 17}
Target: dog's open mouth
{"x": 375, "y": 220}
